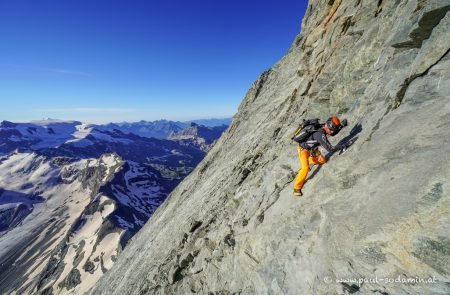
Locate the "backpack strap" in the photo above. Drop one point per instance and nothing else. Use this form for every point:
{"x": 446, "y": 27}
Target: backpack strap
{"x": 299, "y": 128}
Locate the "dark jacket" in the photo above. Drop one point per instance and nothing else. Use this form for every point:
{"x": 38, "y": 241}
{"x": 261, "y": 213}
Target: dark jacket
{"x": 318, "y": 138}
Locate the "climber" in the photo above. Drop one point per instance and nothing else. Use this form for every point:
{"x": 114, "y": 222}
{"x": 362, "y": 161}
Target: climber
{"x": 310, "y": 136}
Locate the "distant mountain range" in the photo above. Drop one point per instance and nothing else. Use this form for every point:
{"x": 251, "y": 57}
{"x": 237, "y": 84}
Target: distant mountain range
{"x": 73, "y": 194}
{"x": 163, "y": 128}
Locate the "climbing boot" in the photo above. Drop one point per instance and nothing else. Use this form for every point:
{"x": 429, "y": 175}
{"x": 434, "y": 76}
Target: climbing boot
{"x": 298, "y": 192}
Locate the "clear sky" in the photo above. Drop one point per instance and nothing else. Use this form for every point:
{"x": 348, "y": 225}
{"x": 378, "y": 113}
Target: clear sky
{"x": 127, "y": 60}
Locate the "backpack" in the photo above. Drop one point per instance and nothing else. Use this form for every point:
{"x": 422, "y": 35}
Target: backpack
{"x": 306, "y": 128}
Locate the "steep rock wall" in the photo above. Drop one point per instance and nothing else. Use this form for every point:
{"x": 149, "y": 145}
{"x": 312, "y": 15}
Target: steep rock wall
{"x": 378, "y": 210}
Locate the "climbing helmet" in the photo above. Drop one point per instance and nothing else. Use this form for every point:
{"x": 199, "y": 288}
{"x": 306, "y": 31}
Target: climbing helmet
{"x": 334, "y": 124}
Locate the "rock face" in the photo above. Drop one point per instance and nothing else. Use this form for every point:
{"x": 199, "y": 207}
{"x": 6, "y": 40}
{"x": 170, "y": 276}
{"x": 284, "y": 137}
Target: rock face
{"x": 379, "y": 211}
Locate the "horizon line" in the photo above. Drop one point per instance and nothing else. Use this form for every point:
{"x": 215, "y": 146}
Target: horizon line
{"x": 103, "y": 122}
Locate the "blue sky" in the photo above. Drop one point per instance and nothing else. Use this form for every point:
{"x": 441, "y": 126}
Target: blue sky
{"x": 110, "y": 60}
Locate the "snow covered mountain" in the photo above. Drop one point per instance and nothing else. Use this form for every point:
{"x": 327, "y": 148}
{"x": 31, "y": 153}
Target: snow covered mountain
{"x": 72, "y": 195}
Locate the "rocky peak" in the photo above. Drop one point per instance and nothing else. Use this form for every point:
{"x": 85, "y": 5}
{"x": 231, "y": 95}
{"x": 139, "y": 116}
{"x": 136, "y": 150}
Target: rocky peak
{"x": 199, "y": 136}
{"x": 7, "y": 124}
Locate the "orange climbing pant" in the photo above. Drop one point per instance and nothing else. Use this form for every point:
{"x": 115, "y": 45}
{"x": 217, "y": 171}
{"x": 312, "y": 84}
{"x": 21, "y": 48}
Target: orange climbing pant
{"x": 305, "y": 160}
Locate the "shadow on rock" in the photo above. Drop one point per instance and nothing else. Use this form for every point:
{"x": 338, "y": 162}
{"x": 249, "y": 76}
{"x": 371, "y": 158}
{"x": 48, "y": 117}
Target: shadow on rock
{"x": 341, "y": 147}
{"x": 14, "y": 207}
{"x": 350, "y": 139}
